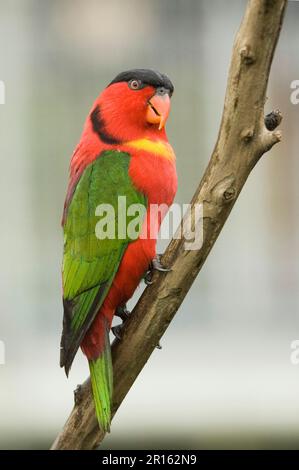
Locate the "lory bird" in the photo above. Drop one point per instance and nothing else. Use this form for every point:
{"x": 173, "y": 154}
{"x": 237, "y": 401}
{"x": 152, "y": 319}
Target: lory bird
{"x": 123, "y": 151}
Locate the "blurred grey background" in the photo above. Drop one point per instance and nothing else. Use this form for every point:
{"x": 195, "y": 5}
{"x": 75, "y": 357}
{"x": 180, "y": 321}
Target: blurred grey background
{"x": 224, "y": 376}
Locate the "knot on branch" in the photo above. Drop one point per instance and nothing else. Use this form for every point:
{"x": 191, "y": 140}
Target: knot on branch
{"x": 246, "y": 54}
{"x": 229, "y": 194}
{"x": 224, "y": 191}
{"x": 247, "y": 135}
{"x": 268, "y": 138}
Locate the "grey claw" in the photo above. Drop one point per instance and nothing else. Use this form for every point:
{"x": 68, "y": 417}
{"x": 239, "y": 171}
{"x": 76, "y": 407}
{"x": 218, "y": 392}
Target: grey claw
{"x": 116, "y": 330}
{"x": 156, "y": 264}
{"x": 159, "y": 346}
{"x": 122, "y": 312}
{"x": 148, "y": 278}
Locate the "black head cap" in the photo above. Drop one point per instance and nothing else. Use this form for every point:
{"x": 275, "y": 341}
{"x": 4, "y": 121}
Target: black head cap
{"x": 147, "y": 77}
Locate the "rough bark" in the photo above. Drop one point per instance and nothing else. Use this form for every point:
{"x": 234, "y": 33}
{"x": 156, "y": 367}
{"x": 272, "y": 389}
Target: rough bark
{"x": 243, "y": 138}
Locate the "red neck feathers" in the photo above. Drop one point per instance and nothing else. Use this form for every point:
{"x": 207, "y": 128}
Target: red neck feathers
{"x": 116, "y": 117}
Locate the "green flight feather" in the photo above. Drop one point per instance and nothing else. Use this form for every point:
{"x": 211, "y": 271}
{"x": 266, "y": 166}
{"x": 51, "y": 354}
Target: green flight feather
{"x": 101, "y": 375}
{"x": 90, "y": 263}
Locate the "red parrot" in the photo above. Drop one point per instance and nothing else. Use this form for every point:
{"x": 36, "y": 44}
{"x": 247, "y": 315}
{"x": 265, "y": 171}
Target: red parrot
{"x": 123, "y": 151}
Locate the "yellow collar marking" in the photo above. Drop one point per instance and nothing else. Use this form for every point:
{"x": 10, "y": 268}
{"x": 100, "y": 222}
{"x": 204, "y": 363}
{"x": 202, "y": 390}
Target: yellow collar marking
{"x": 158, "y": 147}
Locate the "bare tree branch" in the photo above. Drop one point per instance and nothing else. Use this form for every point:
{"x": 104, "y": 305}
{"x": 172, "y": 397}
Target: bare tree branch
{"x": 243, "y": 138}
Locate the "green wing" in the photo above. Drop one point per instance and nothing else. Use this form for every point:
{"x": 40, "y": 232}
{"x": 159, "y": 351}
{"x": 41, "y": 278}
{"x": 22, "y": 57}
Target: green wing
{"x": 89, "y": 262}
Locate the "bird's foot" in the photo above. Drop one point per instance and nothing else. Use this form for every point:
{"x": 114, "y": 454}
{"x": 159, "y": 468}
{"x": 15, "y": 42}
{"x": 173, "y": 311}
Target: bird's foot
{"x": 122, "y": 312}
{"x": 117, "y": 331}
{"x": 155, "y": 266}
{"x": 148, "y": 277}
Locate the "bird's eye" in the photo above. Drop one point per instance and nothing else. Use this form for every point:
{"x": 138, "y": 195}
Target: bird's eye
{"x": 135, "y": 84}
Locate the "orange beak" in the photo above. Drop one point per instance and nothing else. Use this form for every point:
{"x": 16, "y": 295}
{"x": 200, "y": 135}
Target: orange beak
{"x": 158, "y": 110}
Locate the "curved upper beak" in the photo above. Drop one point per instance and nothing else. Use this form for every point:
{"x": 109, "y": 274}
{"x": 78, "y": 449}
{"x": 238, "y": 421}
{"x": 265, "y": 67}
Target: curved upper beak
{"x": 158, "y": 109}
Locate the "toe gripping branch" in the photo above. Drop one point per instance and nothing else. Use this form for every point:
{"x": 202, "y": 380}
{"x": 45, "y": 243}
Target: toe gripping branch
{"x": 124, "y": 314}
{"x": 154, "y": 266}
{"x": 122, "y": 311}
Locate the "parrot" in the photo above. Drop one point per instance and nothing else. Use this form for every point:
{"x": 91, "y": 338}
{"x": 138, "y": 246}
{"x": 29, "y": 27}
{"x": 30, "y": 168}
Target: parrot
{"x": 123, "y": 152}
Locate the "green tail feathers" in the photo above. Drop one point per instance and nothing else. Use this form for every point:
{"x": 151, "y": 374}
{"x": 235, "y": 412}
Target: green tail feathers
{"x": 101, "y": 374}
